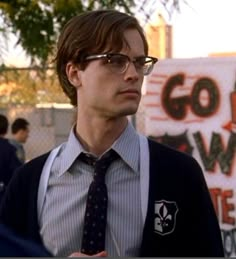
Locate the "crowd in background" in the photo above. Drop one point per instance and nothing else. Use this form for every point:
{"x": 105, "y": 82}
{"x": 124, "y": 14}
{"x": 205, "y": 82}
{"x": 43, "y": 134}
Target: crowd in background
{"x": 12, "y": 153}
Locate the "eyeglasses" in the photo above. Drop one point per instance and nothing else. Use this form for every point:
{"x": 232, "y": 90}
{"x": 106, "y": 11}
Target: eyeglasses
{"x": 118, "y": 63}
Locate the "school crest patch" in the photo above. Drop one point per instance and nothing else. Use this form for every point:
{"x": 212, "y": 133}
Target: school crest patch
{"x": 165, "y": 217}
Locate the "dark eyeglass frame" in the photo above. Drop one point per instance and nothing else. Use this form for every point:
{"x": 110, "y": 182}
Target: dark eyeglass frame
{"x": 145, "y": 68}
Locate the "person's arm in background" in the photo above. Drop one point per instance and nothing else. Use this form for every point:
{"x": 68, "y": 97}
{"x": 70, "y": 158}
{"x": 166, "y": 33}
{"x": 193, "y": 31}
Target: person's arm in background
{"x": 14, "y": 163}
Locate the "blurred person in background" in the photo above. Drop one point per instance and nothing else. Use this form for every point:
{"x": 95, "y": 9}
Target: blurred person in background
{"x": 8, "y": 159}
{"x": 20, "y": 134}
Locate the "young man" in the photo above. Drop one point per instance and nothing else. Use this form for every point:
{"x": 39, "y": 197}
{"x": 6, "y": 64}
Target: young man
{"x": 158, "y": 202}
{"x": 8, "y": 160}
{"x": 20, "y": 134}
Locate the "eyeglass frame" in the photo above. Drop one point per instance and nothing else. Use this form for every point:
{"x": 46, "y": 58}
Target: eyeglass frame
{"x": 108, "y": 56}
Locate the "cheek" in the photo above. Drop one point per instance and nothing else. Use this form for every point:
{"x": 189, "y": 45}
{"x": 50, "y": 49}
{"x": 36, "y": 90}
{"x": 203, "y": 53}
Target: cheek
{"x": 97, "y": 91}
{"x": 100, "y": 84}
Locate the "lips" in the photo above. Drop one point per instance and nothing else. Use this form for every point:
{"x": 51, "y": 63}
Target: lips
{"x": 130, "y": 91}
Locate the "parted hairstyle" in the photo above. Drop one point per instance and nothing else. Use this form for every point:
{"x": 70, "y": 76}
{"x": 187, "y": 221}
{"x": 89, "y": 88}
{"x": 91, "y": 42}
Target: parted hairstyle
{"x": 92, "y": 32}
{"x": 19, "y": 124}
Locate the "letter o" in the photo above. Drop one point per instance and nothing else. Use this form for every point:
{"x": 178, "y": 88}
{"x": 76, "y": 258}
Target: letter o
{"x": 208, "y": 85}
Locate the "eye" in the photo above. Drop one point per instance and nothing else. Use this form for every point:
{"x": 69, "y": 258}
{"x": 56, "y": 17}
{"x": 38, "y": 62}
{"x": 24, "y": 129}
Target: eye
{"x": 118, "y": 60}
{"x": 140, "y": 62}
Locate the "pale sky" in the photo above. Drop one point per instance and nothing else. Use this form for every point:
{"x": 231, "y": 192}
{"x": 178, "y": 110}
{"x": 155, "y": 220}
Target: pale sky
{"x": 203, "y": 27}
{"x": 206, "y": 26}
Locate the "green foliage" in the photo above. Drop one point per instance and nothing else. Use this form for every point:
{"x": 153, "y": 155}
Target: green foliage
{"x": 37, "y": 23}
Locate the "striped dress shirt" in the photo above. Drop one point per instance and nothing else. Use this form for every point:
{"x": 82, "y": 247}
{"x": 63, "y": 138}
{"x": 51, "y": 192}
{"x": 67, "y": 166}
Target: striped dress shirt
{"x": 61, "y": 221}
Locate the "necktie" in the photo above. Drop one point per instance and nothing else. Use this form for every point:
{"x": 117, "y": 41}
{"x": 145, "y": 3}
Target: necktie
{"x": 93, "y": 240}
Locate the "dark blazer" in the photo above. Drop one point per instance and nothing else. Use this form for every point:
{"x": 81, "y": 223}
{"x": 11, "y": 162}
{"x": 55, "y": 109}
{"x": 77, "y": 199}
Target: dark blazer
{"x": 8, "y": 160}
{"x": 8, "y": 163}
{"x": 180, "y": 221}
{"x": 12, "y": 244}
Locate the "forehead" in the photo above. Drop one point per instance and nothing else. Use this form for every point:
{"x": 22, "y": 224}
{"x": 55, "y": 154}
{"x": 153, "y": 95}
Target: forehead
{"x": 133, "y": 42}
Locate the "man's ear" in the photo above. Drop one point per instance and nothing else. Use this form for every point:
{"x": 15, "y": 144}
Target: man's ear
{"x": 73, "y": 74}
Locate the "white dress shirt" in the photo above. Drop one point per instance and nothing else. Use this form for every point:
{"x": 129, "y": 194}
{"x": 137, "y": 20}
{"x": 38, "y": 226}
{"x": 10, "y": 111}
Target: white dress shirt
{"x": 61, "y": 218}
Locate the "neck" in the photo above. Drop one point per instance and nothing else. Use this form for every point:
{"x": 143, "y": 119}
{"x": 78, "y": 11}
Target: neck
{"x": 97, "y": 135}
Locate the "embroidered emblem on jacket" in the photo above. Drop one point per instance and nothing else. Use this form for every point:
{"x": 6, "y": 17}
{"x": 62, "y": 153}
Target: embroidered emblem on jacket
{"x": 165, "y": 217}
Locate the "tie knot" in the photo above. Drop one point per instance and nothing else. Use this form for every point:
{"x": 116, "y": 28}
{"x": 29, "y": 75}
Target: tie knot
{"x": 88, "y": 159}
{"x": 100, "y": 165}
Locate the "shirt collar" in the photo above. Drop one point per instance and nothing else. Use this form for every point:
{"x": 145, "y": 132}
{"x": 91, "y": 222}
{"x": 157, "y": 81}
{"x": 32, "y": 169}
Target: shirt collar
{"x": 69, "y": 153}
{"x": 127, "y": 146}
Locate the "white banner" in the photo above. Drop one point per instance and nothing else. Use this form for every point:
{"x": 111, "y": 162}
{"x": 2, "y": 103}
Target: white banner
{"x": 190, "y": 104}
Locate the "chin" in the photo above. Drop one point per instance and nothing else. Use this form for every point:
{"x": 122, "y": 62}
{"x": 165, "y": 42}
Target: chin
{"x": 129, "y": 111}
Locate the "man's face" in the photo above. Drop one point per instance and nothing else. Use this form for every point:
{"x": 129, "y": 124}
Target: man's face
{"x": 108, "y": 94}
{"x": 23, "y": 135}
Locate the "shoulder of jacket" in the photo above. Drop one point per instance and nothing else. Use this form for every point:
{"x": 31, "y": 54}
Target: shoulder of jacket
{"x": 40, "y": 159}
{"x": 164, "y": 151}
{"x": 34, "y": 165}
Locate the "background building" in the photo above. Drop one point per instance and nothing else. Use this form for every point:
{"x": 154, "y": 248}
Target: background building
{"x": 159, "y": 36}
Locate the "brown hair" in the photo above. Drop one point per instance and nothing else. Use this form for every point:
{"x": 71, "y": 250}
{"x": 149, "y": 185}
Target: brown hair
{"x": 89, "y": 33}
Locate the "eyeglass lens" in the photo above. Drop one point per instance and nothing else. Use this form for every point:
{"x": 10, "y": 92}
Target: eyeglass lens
{"x": 119, "y": 63}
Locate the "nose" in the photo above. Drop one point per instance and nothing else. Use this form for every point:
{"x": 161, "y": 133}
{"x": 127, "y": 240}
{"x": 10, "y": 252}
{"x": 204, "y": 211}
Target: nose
{"x": 131, "y": 72}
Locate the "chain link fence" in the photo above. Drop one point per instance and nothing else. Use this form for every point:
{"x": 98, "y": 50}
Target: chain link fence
{"x": 50, "y": 126}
